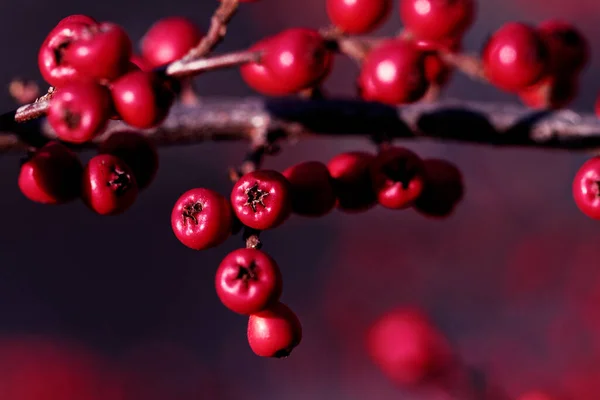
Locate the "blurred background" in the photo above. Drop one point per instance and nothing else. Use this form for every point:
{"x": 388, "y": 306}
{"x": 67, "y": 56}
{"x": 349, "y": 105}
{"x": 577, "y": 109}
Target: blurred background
{"x": 511, "y": 279}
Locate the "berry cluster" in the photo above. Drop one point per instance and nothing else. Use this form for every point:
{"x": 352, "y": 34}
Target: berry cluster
{"x": 248, "y": 281}
{"x": 96, "y": 78}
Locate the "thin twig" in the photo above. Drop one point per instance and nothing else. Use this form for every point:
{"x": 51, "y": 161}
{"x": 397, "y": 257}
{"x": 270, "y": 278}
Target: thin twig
{"x": 200, "y": 65}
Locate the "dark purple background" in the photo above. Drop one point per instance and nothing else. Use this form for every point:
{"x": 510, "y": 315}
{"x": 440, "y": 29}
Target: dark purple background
{"x": 507, "y": 278}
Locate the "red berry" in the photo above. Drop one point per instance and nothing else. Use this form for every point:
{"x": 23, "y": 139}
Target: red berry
{"x": 248, "y": 281}
{"x": 552, "y": 93}
{"x": 437, "y": 20}
{"x": 108, "y": 186}
{"x": 137, "y": 151}
{"x": 569, "y": 49}
{"x": 51, "y": 56}
{"x": 297, "y": 58}
{"x": 258, "y": 77}
{"x": 358, "y": 16}
{"x": 312, "y": 190}
{"x": 141, "y": 98}
{"x": 351, "y": 181}
{"x": 52, "y": 175}
{"x": 201, "y": 219}
{"x": 443, "y": 190}
{"x": 536, "y": 395}
{"x": 393, "y": 73}
{"x": 586, "y": 188}
{"x": 169, "y": 39}
{"x": 78, "y": 19}
{"x": 79, "y": 111}
{"x": 100, "y": 52}
{"x": 262, "y": 199}
{"x": 597, "y": 106}
{"x": 515, "y": 57}
{"x": 398, "y": 177}
{"x": 437, "y": 71}
{"x": 140, "y": 62}
{"x": 406, "y": 347}
{"x": 274, "y": 332}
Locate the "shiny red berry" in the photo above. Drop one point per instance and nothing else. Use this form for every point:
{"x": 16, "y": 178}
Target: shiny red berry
{"x": 312, "y": 190}
{"x": 108, "y": 185}
{"x": 586, "y": 188}
{"x": 100, "y": 52}
{"x": 262, "y": 199}
{"x": 169, "y": 39}
{"x": 248, "y": 281}
{"x": 551, "y": 93}
{"x": 78, "y": 19}
{"x": 444, "y": 189}
{"x": 52, "y": 175}
{"x": 358, "y": 16}
{"x": 51, "y": 56}
{"x": 297, "y": 58}
{"x": 79, "y": 111}
{"x": 406, "y": 347}
{"x": 393, "y": 73}
{"x": 258, "y": 77}
{"x": 351, "y": 179}
{"x": 141, "y": 99}
{"x": 398, "y": 177}
{"x": 515, "y": 57}
{"x": 437, "y": 20}
{"x": 137, "y": 151}
{"x": 201, "y": 219}
{"x": 274, "y": 332}
{"x": 568, "y": 47}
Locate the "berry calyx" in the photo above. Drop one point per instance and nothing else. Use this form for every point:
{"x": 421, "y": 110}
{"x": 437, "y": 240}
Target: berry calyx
{"x": 444, "y": 188}
{"x": 169, "y": 39}
{"x": 393, "y": 73}
{"x": 248, "y": 281}
{"x": 141, "y": 99}
{"x": 52, "y": 175}
{"x": 586, "y": 188}
{"x": 312, "y": 190}
{"x": 274, "y": 332}
{"x": 351, "y": 180}
{"x": 398, "y": 177}
{"x": 515, "y": 57}
{"x": 568, "y": 47}
{"x": 437, "y": 20}
{"x": 358, "y": 16}
{"x": 108, "y": 185}
{"x": 79, "y": 111}
{"x": 201, "y": 219}
{"x": 137, "y": 151}
{"x": 262, "y": 199}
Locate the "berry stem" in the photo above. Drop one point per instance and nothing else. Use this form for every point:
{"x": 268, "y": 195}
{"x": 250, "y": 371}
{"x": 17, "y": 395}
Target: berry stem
{"x": 194, "y": 67}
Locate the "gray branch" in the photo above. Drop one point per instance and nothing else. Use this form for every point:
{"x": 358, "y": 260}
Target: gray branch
{"x": 261, "y": 121}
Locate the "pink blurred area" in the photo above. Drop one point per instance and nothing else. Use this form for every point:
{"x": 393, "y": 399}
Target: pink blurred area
{"x": 511, "y": 279}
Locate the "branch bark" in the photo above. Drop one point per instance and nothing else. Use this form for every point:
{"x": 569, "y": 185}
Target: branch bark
{"x": 264, "y": 121}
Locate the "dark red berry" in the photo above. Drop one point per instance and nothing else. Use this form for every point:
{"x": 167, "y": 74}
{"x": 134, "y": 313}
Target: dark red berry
{"x": 398, "y": 177}
{"x": 444, "y": 188}
{"x": 51, "y": 56}
{"x": 108, "y": 185}
{"x": 140, "y": 62}
{"x": 569, "y": 49}
{"x": 437, "y": 71}
{"x": 586, "y": 188}
{"x": 351, "y": 181}
{"x": 262, "y": 199}
{"x": 141, "y": 99}
{"x": 312, "y": 190}
{"x": 515, "y": 57}
{"x": 437, "y": 20}
{"x": 274, "y": 332}
{"x": 258, "y": 77}
{"x": 52, "y": 175}
{"x": 169, "y": 39}
{"x": 201, "y": 219}
{"x": 358, "y": 16}
{"x": 393, "y": 73}
{"x": 79, "y": 111}
{"x": 248, "y": 281}
{"x": 597, "y": 106}
{"x": 551, "y": 93}
{"x": 78, "y": 19}
{"x": 297, "y": 58}
{"x": 137, "y": 151}
{"x": 100, "y": 52}
{"x": 407, "y": 348}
